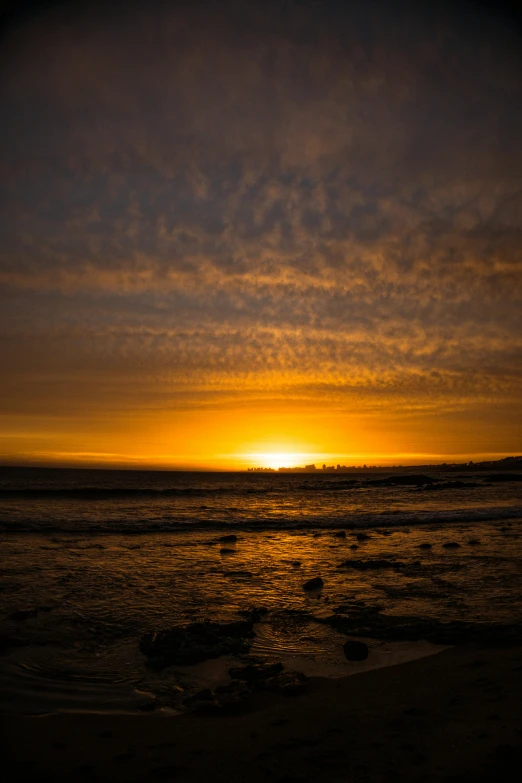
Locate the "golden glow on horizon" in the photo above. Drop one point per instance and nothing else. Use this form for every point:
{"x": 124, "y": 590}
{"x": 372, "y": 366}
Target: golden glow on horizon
{"x": 222, "y": 438}
{"x": 276, "y": 460}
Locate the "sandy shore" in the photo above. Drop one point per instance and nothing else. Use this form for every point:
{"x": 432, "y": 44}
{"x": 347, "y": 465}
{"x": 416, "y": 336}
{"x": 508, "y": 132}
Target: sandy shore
{"x": 452, "y": 716}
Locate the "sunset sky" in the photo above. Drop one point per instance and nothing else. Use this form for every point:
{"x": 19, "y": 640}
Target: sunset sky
{"x": 231, "y": 232}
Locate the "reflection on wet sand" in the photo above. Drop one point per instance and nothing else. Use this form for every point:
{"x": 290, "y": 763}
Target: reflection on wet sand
{"x": 76, "y": 607}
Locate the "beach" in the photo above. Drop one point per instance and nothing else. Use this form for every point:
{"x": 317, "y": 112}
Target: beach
{"x": 259, "y": 628}
{"x": 447, "y": 717}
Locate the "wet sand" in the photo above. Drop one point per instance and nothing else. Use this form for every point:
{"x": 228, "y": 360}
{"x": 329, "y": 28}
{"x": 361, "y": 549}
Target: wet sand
{"x": 452, "y": 716}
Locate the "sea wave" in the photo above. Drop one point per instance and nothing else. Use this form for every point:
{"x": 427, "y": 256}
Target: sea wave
{"x": 109, "y": 493}
{"x": 349, "y": 521}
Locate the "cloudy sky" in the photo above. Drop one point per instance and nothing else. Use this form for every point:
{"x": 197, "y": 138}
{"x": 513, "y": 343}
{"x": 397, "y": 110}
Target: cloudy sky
{"x": 237, "y": 228}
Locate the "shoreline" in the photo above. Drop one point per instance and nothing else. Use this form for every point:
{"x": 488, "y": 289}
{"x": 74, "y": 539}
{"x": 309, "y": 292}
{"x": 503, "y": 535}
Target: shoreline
{"x": 451, "y": 715}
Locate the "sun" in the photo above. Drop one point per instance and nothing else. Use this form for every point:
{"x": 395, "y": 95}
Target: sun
{"x": 277, "y": 459}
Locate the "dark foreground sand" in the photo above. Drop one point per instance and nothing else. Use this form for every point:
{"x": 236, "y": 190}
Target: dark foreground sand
{"x": 455, "y": 716}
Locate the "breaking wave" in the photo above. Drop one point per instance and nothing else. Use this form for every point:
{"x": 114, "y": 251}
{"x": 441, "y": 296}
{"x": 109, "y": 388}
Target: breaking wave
{"x": 354, "y": 520}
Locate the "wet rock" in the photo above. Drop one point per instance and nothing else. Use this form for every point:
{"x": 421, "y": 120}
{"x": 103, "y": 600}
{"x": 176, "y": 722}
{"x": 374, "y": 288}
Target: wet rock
{"x": 255, "y": 614}
{"x": 362, "y": 537}
{"x": 234, "y": 700}
{"x": 296, "y": 564}
{"x": 369, "y": 622}
{"x": 238, "y": 574}
{"x": 230, "y": 539}
{"x": 504, "y": 477}
{"x": 195, "y": 643}
{"x": 236, "y": 686}
{"x": 202, "y": 704}
{"x": 354, "y": 546}
{"x": 424, "y": 546}
{"x": 223, "y": 700}
{"x": 256, "y": 672}
{"x": 340, "y": 534}
{"x": 413, "y": 479}
{"x": 206, "y": 694}
{"x": 287, "y": 683}
{"x": 450, "y": 485}
{"x": 451, "y": 545}
{"x": 313, "y": 584}
{"x": 226, "y": 551}
{"x": 370, "y": 565}
{"x": 355, "y": 651}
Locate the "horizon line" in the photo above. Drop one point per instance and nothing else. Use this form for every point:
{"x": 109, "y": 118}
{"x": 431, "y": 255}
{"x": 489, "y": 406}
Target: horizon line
{"x": 149, "y": 467}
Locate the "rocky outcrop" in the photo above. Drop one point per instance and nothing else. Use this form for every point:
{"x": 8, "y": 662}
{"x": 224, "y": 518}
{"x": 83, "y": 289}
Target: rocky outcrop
{"x": 191, "y": 644}
{"x": 413, "y": 479}
{"x": 355, "y": 651}
{"x": 255, "y": 613}
{"x": 254, "y": 672}
{"x": 369, "y": 622}
{"x": 370, "y": 565}
{"x": 313, "y": 584}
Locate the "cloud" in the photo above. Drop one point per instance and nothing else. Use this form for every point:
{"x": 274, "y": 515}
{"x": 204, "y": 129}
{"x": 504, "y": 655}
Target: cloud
{"x": 323, "y": 204}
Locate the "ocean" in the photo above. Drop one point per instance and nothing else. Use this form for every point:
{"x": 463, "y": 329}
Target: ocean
{"x": 94, "y": 560}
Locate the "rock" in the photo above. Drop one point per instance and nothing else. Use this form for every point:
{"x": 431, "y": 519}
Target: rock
{"x": 255, "y": 613}
{"x": 236, "y": 686}
{"x": 424, "y": 546}
{"x": 255, "y": 672}
{"x": 195, "y": 643}
{"x": 354, "y": 546}
{"x": 369, "y": 622}
{"x": 451, "y": 485}
{"x": 206, "y": 694}
{"x": 204, "y": 702}
{"x": 362, "y": 537}
{"x": 230, "y": 539}
{"x": 287, "y": 683}
{"x": 225, "y": 551}
{"x": 413, "y": 479}
{"x": 238, "y": 574}
{"x": 473, "y": 541}
{"x": 313, "y": 584}
{"x": 355, "y": 651}
{"x": 340, "y": 534}
{"x": 451, "y": 545}
{"x": 370, "y": 565}
{"x": 504, "y": 477}
{"x": 232, "y": 699}
{"x": 296, "y": 564}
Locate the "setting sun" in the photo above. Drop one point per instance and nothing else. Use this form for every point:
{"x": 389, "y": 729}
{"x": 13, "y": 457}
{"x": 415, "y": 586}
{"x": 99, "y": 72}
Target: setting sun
{"x": 278, "y": 459}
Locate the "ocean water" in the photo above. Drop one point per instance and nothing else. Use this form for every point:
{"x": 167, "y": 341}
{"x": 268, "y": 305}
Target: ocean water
{"x": 92, "y": 560}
